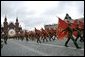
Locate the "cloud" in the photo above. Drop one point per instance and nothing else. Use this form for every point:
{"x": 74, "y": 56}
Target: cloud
{"x": 71, "y": 7}
{"x": 39, "y": 13}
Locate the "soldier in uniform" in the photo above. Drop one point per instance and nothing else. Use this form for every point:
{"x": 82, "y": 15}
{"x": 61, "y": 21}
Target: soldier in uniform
{"x": 70, "y": 36}
{"x": 44, "y": 35}
{"x": 79, "y": 33}
{"x": 37, "y": 35}
{"x": 26, "y": 35}
{"x": 1, "y": 44}
{"x": 5, "y": 38}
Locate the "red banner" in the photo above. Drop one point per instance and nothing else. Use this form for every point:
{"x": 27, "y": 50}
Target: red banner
{"x": 61, "y": 26}
{"x": 75, "y": 33}
{"x": 74, "y": 24}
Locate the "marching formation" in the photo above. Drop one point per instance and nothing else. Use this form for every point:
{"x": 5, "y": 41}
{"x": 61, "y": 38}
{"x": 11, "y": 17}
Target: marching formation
{"x": 66, "y": 29}
{"x": 43, "y": 35}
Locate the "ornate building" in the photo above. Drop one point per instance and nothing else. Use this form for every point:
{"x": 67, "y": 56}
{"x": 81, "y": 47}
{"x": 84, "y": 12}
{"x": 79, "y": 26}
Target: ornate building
{"x": 10, "y": 29}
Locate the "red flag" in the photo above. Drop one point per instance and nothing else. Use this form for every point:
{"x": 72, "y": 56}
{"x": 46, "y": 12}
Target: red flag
{"x": 75, "y": 33}
{"x": 61, "y": 26}
{"x": 74, "y": 24}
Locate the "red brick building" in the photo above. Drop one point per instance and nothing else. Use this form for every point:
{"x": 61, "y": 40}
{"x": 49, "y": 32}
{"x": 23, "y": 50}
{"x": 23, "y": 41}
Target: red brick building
{"x": 10, "y": 28}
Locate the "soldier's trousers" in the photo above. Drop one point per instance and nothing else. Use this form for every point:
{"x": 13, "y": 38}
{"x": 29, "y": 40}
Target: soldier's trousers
{"x": 38, "y": 40}
{"x": 81, "y": 38}
{"x": 5, "y": 39}
{"x": 75, "y": 43}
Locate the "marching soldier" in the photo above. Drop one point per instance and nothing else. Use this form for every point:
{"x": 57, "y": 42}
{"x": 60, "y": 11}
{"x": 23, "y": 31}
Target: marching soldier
{"x": 37, "y": 36}
{"x": 44, "y": 35}
{"x": 70, "y": 32}
{"x": 79, "y": 33}
{"x": 1, "y": 44}
{"x": 26, "y": 35}
{"x": 5, "y": 38}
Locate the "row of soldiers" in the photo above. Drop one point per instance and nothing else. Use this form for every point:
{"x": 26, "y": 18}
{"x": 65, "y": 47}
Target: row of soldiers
{"x": 43, "y": 34}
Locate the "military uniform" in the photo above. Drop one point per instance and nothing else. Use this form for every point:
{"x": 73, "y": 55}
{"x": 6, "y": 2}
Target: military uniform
{"x": 70, "y": 32}
{"x": 79, "y": 34}
{"x": 5, "y": 38}
{"x": 37, "y": 35}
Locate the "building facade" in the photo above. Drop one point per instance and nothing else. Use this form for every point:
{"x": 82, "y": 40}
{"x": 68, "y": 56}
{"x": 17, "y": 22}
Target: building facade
{"x": 53, "y": 26}
{"x": 10, "y": 29}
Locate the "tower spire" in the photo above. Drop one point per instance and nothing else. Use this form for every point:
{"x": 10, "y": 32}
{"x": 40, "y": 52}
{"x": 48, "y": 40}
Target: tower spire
{"x": 5, "y": 19}
{"x": 17, "y": 19}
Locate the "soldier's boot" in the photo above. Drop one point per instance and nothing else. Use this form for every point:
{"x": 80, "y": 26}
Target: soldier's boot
{"x": 67, "y": 42}
{"x": 39, "y": 41}
{"x": 66, "y": 45}
{"x": 43, "y": 40}
{"x": 82, "y": 39}
{"x": 76, "y": 45}
{"x": 46, "y": 40}
{"x": 5, "y": 42}
{"x": 50, "y": 39}
{"x": 53, "y": 38}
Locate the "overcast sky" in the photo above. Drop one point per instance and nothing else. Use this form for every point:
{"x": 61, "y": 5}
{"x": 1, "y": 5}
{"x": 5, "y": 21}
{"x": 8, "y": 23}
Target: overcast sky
{"x": 39, "y": 13}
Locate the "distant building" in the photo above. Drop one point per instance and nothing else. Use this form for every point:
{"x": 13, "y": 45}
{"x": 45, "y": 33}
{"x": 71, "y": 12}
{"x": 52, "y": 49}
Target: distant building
{"x": 8, "y": 26}
{"x": 53, "y": 26}
{"x": 80, "y": 19}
